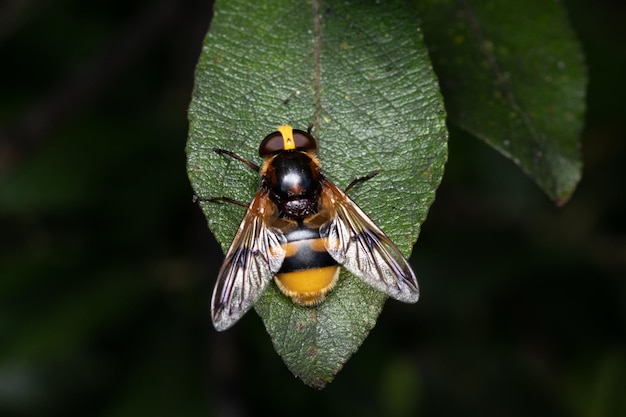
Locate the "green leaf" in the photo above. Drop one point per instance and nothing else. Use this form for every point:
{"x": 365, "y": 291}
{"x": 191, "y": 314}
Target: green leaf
{"x": 513, "y": 74}
{"x": 361, "y": 74}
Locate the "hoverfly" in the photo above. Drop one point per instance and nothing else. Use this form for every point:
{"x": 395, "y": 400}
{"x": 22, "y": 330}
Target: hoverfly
{"x": 299, "y": 229}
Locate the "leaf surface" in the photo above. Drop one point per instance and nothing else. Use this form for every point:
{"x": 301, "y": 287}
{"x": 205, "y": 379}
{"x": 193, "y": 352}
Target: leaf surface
{"x": 360, "y": 73}
{"x": 513, "y": 75}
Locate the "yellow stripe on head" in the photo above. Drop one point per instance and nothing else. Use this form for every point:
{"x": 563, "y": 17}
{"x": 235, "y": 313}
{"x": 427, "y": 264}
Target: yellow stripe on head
{"x": 287, "y": 132}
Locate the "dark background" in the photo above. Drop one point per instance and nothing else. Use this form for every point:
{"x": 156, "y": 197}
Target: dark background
{"x": 106, "y": 266}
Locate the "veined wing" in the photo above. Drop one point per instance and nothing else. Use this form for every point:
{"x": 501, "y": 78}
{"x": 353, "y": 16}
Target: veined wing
{"x": 355, "y": 242}
{"x": 254, "y": 257}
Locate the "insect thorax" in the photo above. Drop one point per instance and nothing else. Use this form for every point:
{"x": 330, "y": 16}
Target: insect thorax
{"x": 293, "y": 181}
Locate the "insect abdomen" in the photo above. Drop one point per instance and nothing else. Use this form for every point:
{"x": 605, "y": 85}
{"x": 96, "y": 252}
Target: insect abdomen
{"x": 308, "y": 271}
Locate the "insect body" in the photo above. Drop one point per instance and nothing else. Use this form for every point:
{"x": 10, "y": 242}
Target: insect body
{"x": 299, "y": 229}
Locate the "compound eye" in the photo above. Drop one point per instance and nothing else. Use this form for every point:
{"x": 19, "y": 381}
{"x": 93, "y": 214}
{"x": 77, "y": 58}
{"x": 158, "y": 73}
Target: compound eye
{"x": 286, "y": 138}
{"x": 304, "y": 140}
{"x": 271, "y": 144}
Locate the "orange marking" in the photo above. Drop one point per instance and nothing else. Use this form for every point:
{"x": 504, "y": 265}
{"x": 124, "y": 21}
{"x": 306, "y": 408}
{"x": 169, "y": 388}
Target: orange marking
{"x": 308, "y": 287}
{"x": 287, "y": 132}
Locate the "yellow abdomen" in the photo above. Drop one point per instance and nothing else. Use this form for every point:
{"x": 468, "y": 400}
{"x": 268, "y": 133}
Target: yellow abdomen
{"x": 308, "y": 286}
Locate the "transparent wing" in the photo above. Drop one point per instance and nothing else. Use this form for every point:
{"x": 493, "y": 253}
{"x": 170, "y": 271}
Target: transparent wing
{"x": 253, "y": 259}
{"x": 355, "y": 242}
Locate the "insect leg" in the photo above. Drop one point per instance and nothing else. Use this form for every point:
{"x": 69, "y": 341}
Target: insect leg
{"x": 233, "y": 155}
{"x": 226, "y": 199}
{"x": 361, "y": 179}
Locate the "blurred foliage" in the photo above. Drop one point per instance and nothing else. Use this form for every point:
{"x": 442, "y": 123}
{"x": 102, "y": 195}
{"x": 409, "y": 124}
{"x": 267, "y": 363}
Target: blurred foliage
{"x": 513, "y": 74}
{"x": 106, "y": 266}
